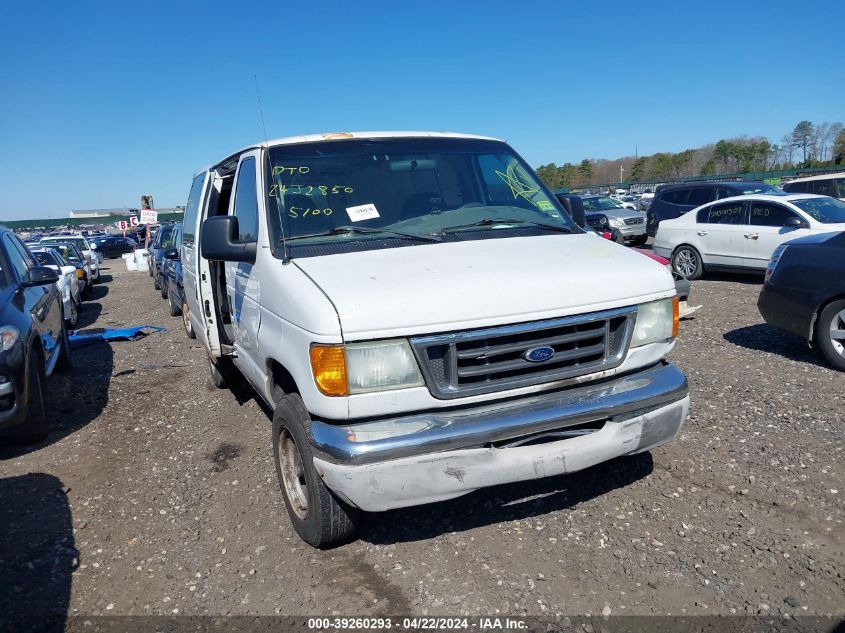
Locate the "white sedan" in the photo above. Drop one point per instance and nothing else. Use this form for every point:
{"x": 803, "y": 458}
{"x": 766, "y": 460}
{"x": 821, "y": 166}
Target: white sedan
{"x": 88, "y": 251}
{"x": 742, "y": 232}
{"x": 68, "y": 283}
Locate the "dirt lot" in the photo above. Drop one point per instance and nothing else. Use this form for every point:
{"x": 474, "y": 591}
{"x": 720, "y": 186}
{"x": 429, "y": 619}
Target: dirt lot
{"x": 156, "y": 494}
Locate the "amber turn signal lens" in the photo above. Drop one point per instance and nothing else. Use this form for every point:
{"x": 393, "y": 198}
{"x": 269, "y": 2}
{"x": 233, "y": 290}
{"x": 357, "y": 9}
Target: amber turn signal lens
{"x": 79, "y": 274}
{"x": 676, "y": 317}
{"x": 328, "y": 364}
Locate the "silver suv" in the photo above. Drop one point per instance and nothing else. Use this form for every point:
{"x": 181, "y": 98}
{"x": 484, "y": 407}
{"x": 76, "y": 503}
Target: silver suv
{"x": 626, "y": 225}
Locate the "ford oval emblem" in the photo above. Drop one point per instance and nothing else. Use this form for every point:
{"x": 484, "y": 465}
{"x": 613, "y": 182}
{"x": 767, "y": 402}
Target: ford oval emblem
{"x": 538, "y": 354}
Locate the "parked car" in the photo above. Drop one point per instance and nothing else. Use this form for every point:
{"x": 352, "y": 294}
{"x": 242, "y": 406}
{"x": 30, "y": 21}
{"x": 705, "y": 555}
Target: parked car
{"x": 68, "y": 282}
{"x": 741, "y": 233}
{"x": 424, "y": 319}
{"x": 33, "y": 339}
{"x": 672, "y": 201}
{"x": 825, "y": 185}
{"x": 175, "y": 290}
{"x": 174, "y": 244}
{"x": 804, "y": 293}
{"x": 113, "y": 246}
{"x": 626, "y": 225}
{"x": 73, "y": 256}
{"x": 162, "y": 242}
{"x": 84, "y": 247}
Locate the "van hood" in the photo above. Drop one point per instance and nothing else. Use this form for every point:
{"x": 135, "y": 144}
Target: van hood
{"x": 478, "y": 283}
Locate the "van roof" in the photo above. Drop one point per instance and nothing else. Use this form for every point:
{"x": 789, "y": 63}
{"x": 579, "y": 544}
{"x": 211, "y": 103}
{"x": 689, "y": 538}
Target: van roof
{"x": 839, "y": 174}
{"x": 335, "y": 136}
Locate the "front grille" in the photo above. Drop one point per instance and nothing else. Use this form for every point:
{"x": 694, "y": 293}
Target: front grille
{"x": 631, "y": 221}
{"x": 494, "y": 359}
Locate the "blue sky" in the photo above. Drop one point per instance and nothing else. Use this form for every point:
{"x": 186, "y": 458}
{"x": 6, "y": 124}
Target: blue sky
{"x": 105, "y": 101}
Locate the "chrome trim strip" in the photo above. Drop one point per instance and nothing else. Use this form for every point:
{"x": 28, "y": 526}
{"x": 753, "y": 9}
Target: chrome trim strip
{"x": 439, "y": 431}
{"x": 452, "y": 389}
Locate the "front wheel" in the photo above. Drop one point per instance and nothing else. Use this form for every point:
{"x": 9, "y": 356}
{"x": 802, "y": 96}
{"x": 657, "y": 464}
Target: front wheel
{"x": 186, "y": 320}
{"x": 830, "y": 334}
{"x": 686, "y": 261}
{"x": 173, "y": 308}
{"x": 320, "y": 518}
{"x": 35, "y": 427}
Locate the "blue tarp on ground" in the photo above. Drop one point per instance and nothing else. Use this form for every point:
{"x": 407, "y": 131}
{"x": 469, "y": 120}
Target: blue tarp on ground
{"x": 82, "y": 337}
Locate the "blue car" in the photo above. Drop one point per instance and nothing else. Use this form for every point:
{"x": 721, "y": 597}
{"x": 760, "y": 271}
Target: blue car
{"x": 164, "y": 240}
{"x": 173, "y": 289}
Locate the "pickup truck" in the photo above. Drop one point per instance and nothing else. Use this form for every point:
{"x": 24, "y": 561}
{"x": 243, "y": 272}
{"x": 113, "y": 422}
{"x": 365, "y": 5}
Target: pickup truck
{"x": 424, "y": 320}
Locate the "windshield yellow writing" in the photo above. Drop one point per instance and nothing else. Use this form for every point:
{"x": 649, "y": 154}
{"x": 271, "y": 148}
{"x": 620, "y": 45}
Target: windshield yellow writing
{"x": 307, "y": 190}
{"x": 518, "y": 188}
{"x": 281, "y": 169}
{"x": 305, "y": 212}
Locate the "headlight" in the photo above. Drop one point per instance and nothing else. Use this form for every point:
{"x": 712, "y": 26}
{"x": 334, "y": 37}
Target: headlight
{"x": 773, "y": 262}
{"x": 9, "y": 335}
{"x": 656, "y": 321}
{"x": 615, "y": 223}
{"x": 341, "y": 370}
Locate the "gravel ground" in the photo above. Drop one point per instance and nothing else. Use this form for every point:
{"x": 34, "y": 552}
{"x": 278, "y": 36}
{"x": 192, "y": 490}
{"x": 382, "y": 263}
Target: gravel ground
{"x": 156, "y": 494}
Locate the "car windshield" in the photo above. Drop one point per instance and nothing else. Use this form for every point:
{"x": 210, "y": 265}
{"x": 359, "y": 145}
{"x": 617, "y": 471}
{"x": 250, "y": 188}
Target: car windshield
{"x": 761, "y": 188}
{"x": 825, "y": 210}
{"x": 407, "y": 189}
{"x": 69, "y": 252}
{"x": 600, "y": 203}
{"x": 78, "y": 242}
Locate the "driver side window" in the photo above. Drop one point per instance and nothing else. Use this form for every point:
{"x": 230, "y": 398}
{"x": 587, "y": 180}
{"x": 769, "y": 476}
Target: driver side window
{"x": 246, "y": 202}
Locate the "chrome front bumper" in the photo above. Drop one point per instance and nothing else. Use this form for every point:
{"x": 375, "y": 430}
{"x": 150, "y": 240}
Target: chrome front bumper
{"x": 428, "y": 457}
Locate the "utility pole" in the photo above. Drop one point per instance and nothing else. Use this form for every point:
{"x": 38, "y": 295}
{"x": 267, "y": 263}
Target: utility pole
{"x": 621, "y": 179}
{"x": 636, "y": 153}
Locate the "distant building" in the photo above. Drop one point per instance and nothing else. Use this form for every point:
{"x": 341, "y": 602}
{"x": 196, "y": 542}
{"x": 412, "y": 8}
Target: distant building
{"x": 101, "y": 213}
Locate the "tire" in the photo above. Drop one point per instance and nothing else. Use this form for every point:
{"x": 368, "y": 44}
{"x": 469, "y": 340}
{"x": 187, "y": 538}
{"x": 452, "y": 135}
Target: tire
{"x": 36, "y": 427}
{"x": 72, "y": 320}
{"x": 224, "y": 374}
{"x": 172, "y": 308}
{"x": 321, "y": 519}
{"x": 186, "y": 320}
{"x": 831, "y": 318}
{"x": 86, "y": 294}
{"x": 686, "y": 261}
{"x": 150, "y": 270}
{"x": 163, "y": 288}
{"x": 65, "y": 360}
{"x": 156, "y": 283}
{"x": 639, "y": 241}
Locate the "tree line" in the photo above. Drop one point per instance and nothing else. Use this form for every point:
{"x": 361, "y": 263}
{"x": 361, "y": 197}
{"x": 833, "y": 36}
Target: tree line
{"x": 807, "y": 145}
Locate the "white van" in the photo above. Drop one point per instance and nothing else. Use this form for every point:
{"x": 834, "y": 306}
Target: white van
{"x": 424, "y": 319}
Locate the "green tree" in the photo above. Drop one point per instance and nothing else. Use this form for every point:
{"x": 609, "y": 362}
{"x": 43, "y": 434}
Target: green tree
{"x": 802, "y": 137}
{"x": 638, "y": 169}
{"x": 585, "y": 170}
{"x": 839, "y": 148}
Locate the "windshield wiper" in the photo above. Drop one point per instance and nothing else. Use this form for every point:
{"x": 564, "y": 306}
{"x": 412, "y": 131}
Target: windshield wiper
{"x": 493, "y": 221}
{"x": 367, "y": 230}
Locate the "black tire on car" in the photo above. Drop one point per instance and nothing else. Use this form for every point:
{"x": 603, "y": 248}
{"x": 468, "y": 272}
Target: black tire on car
{"x": 686, "y": 261}
{"x": 224, "y": 374}
{"x": 830, "y": 333}
{"x": 156, "y": 283}
{"x": 74, "y": 314}
{"x": 173, "y": 309}
{"x": 186, "y": 320}
{"x": 163, "y": 288}
{"x": 320, "y": 518}
{"x": 65, "y": 360}
{"x": 36, "y": 426}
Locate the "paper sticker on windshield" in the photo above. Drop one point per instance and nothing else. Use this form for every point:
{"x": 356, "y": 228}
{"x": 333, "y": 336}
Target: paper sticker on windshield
{"x": 545, "y": 205}
{"x": 362, "y": 212}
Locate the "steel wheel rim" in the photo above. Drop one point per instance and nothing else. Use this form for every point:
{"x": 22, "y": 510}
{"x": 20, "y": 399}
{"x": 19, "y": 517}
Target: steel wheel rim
{"x": 837, "y": 332}
{"x": 685, "y": 262}
{"x": 293, "y": 474}
{"x": 185, "y": 320}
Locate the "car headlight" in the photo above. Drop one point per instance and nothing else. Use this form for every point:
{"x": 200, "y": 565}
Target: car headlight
{"x": 9, "y": 335}
{"x": 615, "y": 223}
{"x": 341, "y": 370}
{"x": 656, "y": 321}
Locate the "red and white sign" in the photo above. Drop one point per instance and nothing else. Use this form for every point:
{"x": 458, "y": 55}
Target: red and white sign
{"x": 148, "y": 216}
{"x": 133, "y": 220}
{"x": 122, "y": 225}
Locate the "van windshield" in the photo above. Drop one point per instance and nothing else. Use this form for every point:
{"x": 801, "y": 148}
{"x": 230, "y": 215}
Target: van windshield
{"x": 372, "y": 190}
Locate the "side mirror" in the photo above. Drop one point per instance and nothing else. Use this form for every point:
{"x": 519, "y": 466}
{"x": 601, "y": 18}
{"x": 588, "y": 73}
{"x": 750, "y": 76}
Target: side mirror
{"x": 219, "y": 241}
{"x": 794, "y": 222}
{"x": 40, "y": 276}
{"x": 171, "y": 253}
